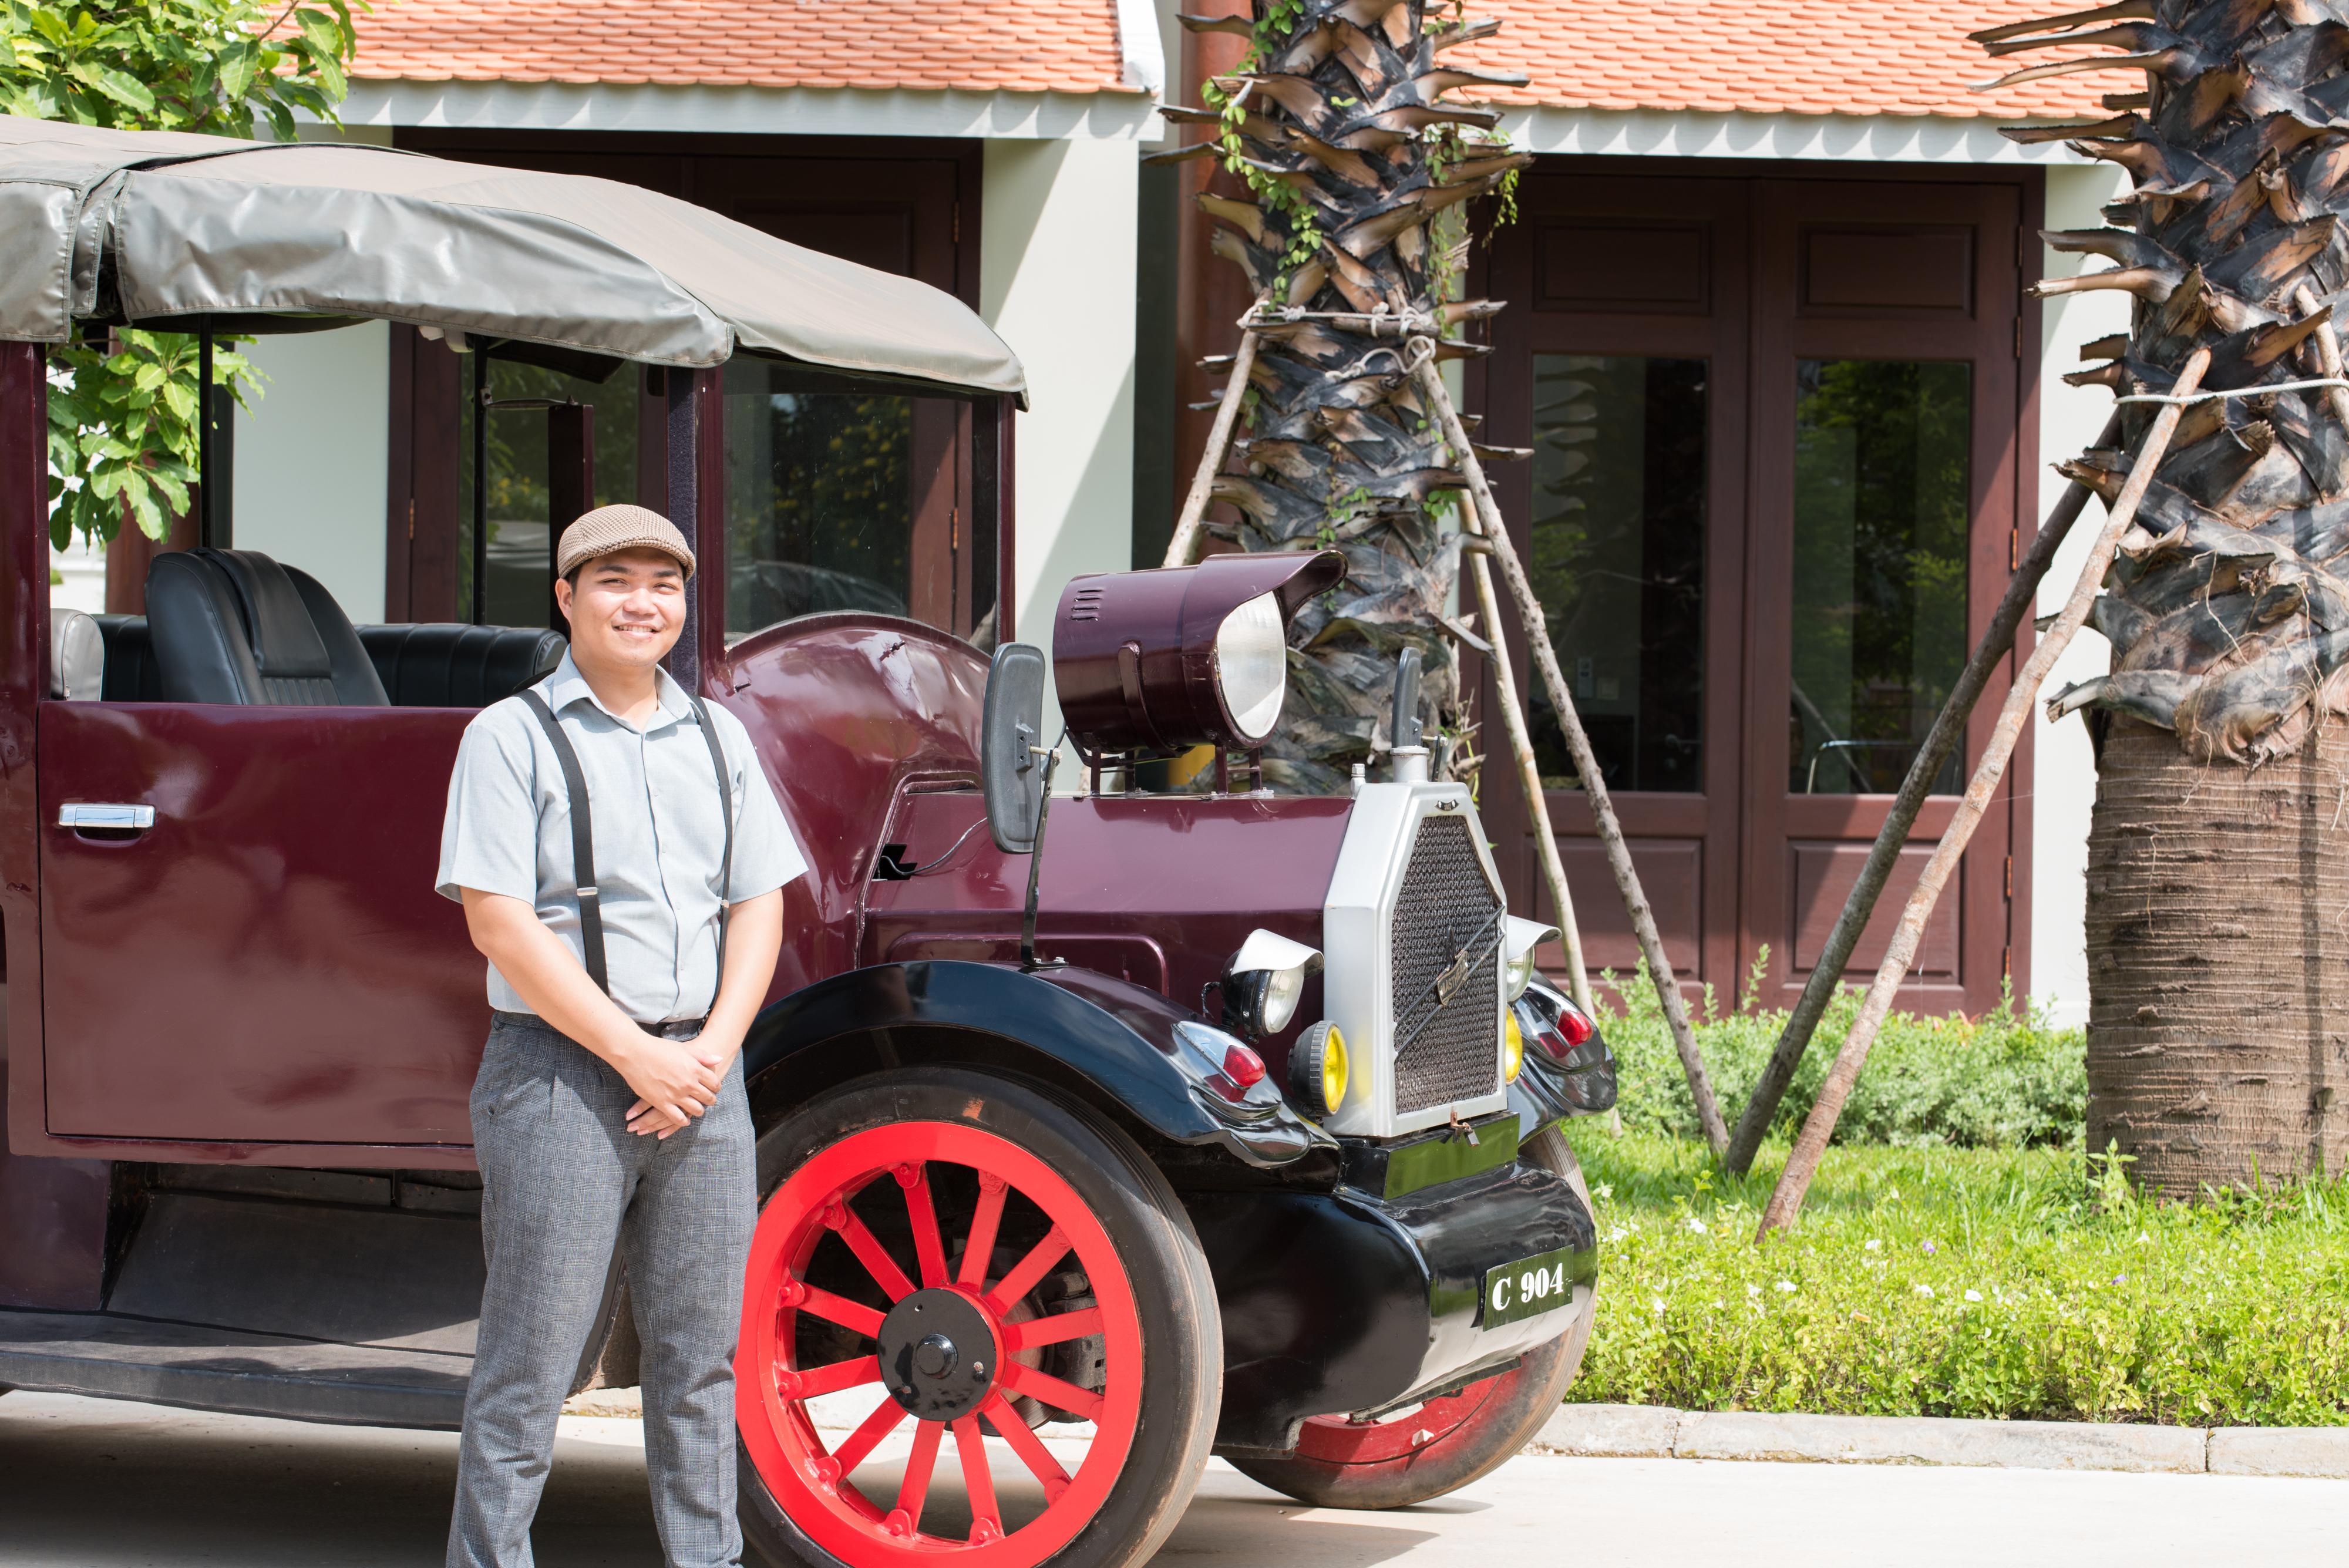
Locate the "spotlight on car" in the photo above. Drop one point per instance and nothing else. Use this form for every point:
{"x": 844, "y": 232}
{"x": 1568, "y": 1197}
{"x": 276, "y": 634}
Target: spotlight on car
{"x": 1184, "y": 656}
{"x": 1524, "y": 939}
{"x": 1265, "y": 981}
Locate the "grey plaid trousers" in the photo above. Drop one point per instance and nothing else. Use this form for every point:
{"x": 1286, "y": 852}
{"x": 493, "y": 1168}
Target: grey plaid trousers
{"x": 562, "y": 1183}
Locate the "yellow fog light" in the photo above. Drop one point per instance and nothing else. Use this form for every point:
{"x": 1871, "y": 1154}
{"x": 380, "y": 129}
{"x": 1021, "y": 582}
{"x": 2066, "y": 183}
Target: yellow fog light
{"x": 1513, "y": 1047}
{"x": 1318, "y": 1069}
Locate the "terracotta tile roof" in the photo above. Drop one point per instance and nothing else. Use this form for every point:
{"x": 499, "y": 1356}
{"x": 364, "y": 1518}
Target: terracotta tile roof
{"x": 1021, "y": 45}
{"x": 1800, "y": 57}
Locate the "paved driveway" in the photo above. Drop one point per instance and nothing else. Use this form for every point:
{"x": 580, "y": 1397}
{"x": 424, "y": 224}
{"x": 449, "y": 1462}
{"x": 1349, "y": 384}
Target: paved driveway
{"x": 87, "y": 1484}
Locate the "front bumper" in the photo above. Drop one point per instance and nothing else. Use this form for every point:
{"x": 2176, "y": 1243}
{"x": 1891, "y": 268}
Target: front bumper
{"x": 1336, "y": 1303}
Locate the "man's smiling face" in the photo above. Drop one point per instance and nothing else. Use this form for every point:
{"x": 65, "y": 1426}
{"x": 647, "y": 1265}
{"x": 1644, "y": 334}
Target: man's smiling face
{"x": 626, "y": 608}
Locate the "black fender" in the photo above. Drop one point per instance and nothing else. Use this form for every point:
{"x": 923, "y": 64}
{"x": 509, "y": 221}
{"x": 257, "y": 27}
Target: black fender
{"x": 1111, "y": 1042}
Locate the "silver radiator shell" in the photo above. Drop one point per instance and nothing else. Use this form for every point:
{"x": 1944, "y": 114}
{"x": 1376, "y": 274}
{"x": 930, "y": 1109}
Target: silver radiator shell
{"x": 1453, "y": 1067}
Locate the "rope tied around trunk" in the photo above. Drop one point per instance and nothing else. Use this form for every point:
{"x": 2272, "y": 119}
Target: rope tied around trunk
{"x": 2258, "y": 391}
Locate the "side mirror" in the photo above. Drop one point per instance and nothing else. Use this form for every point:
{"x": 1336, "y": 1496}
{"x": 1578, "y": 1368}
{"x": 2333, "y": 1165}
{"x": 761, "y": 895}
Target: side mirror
{"x": 1010, "y": 769}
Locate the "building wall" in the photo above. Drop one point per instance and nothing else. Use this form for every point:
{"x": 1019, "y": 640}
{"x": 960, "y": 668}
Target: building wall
{"x": 311, "y": 456}
{"x": 1056, "y": 259}
{"x": 2065, "y": 787}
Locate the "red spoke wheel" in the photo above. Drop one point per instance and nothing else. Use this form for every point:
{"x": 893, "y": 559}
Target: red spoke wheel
{"x": 1446, "y": 1443}
{"x": 944, "y": 1262}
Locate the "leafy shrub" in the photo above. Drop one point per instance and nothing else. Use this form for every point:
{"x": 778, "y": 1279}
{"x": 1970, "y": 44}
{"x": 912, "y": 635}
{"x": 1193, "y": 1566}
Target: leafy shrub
{"x": 2004, "y": 1080}
{"x": 1987, "y": 1282}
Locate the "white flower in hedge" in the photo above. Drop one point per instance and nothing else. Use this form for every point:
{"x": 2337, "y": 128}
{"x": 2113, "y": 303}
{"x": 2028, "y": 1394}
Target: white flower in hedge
{"x": 1925, "y": 1290}
{"x": 1786, "y": 1287}
{"x": 1658, "y": 1302}
{"x": 1752, "y": 1291}
{"x": 1973, "y": 1295}
{"x": 1874, "y": 1245}
{"x": 1696, "y": 1225}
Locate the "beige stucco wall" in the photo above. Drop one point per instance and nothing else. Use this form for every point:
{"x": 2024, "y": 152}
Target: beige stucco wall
{"x": 1056, "y": 280}
{"x": 2066, "y": 772}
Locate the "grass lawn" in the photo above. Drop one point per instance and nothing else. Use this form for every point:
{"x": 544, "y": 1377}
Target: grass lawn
{"x": 1998, "y": 1281}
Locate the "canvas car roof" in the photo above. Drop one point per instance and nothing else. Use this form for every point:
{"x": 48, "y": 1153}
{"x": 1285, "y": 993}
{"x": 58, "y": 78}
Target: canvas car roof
{"x": 187, "y": 225}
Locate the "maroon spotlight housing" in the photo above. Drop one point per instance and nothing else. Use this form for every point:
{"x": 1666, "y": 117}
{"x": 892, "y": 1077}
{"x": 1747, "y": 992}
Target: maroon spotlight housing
{"x": 1184, "y": 656}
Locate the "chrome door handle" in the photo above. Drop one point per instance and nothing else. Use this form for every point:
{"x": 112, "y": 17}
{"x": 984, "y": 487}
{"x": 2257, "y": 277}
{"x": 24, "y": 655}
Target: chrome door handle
{"x": 80, "y": 814}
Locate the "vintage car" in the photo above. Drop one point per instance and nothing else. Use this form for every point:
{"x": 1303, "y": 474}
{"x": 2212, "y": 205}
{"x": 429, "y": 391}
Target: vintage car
{"x": 1099, "y": 1131}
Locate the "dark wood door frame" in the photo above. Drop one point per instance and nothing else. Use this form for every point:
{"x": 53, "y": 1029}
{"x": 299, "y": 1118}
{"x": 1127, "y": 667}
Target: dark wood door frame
{"x": 1757, "y": 330}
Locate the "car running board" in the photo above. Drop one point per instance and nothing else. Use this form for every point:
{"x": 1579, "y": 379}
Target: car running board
{"x": 109, "y": 1356}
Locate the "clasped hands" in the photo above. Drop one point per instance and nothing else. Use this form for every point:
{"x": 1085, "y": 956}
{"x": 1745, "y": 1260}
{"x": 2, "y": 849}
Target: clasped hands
{"x": 675, "y": 1080}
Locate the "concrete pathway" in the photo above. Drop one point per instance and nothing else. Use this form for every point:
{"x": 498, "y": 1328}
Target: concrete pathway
{"x": 88, "y": 1484}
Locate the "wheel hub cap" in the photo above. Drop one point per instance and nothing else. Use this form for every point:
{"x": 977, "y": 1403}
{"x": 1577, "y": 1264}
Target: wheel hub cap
{"x": 938, "y": 1355}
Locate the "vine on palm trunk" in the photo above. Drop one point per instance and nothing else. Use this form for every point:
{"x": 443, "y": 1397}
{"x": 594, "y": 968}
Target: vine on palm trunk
{"x": 1357, "y": 182}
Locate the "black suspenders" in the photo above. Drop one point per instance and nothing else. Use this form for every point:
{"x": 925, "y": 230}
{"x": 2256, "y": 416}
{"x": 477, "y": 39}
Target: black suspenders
{"x": 582, "y": 836}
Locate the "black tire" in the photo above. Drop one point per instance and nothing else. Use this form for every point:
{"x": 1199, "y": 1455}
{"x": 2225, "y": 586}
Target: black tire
{"x": 1182, "y": 1355}
{"x": 1511, "y": 1412}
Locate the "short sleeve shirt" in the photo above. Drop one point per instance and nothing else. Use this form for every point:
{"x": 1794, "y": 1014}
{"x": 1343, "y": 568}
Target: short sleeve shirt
{"x": 660, "y": 836}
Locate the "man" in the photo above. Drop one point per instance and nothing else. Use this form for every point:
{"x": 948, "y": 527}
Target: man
{"x": 626, "y": 962}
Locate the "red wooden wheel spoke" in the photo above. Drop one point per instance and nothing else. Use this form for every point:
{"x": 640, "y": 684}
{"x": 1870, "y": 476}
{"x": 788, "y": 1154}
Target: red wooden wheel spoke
{"x": 1047, "y": 1389}
{"x": 915, "y": 1487}
{"x": 874, "y": 1256}
{"x": 980, "y": 1248}
{"x": 806, "y": 1473}
{"x": 1029, "y": 1332}
{"x": 848, "y": 1315}
{"x": 929, "y": 1251}
{"x": 1027, "y": 1272}
{"x": 867, "y": 1436}
{"x": 977, "y": 1481}
{"x": 831, "y": 1379}
{"x": 1027, "y": 1446}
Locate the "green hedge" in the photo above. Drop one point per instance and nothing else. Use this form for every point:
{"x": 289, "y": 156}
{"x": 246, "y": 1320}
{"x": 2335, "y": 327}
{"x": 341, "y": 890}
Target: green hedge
{"x": 1943, "y": 1281}
{"x": 2005, "y": 1080}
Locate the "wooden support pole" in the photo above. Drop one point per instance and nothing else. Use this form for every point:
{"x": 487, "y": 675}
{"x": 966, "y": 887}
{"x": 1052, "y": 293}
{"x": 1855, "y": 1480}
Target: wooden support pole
{"x": 1521, "y": 747}
{"x": 1786, "y": 1199}
{"x": 1188, "y": 524}
{"x": 1578, "y": 744}
{"x": 1949, "y": 729}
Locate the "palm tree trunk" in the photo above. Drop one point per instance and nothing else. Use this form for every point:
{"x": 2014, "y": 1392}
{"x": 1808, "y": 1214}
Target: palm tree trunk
{"x": 2218, "y": 915}
{"x": 2219, "y": 1000}
{"x": 1359, "y": 177}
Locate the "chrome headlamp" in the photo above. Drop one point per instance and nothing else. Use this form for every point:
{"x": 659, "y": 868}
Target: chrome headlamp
{"x": 1521, "y": 940}
{"x": 1265, "y": 981}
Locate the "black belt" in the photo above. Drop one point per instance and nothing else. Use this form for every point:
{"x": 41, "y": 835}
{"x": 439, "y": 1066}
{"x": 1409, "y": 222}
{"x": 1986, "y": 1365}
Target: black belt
{"x": 667, "y": 1028}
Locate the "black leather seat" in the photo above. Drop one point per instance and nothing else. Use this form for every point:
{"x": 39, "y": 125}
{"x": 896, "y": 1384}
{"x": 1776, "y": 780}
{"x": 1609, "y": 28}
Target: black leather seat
{"x": 422, "y": 665}
{"x": 235, "y": 625}
{"x": 431, "y": 665}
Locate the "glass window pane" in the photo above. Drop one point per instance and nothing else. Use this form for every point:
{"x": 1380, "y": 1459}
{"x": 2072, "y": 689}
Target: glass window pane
{"x": 833, "y": 498}
{"x": 1617, "y": 562}
{"x": 520, "y": 562}
{"x": 1879, "y": 624}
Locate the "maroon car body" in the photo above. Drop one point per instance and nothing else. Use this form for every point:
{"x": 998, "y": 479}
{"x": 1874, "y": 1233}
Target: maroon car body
{"x": 239, "y": 1042}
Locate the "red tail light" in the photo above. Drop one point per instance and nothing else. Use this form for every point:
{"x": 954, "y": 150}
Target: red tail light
{"x": 1574, "y": 1025}
{"x": 1245, "y": 1068}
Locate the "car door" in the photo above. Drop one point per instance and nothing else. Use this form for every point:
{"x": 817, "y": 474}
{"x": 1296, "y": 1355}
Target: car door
{"x": 266, "y": 961}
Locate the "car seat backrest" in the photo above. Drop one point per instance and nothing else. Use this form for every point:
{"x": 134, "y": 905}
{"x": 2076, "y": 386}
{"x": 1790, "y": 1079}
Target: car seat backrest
{"x": 77, "y": 656}
{"x": 235, "y": 625}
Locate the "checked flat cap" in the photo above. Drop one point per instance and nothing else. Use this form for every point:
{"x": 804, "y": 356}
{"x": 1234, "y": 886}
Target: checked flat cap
{"x": 620, "y": 528}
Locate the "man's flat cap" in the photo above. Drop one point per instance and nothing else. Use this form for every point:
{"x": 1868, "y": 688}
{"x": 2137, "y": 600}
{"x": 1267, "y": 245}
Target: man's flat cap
{"x": 620, "y": 528}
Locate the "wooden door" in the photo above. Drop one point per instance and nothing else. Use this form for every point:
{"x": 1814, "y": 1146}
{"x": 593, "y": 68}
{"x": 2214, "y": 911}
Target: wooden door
{"x": 1624, "y": 368}
{"x": 1885, "y": 424}
{"x": 1778, "y": 438}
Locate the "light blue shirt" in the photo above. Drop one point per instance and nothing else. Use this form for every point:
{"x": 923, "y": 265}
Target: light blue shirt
{"x": 660, "y": 836}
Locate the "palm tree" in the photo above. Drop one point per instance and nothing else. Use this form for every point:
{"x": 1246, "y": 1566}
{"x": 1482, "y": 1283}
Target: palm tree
{"x": 1358, "y": 180}
{"x": 2218, "y": 923}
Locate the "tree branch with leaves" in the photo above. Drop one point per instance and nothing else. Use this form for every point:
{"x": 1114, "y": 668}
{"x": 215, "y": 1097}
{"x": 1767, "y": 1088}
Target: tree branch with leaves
{"x": 123, "y": 427}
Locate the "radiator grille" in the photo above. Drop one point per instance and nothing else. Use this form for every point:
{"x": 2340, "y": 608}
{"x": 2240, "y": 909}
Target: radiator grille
{"x": 1445, "y": 903}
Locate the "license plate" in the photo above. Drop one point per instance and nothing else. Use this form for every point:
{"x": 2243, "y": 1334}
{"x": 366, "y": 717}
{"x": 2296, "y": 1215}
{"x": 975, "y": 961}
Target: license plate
{"x": 1527, "y": 1288}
